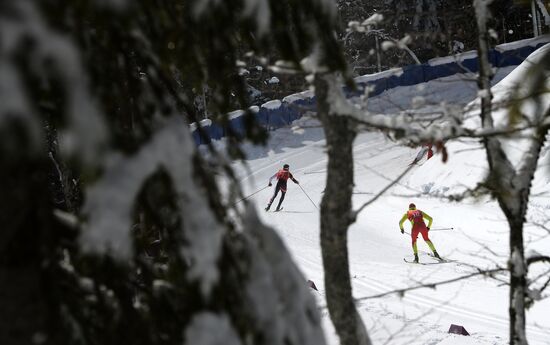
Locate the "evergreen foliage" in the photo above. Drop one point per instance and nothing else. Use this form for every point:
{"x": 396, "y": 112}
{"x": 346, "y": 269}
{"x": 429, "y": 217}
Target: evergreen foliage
{"x": 90, "y": 87}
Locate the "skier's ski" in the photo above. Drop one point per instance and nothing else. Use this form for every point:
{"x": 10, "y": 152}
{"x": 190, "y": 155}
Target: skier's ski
{"x": 442, "y": 261}
{"x": 411, "y": 262}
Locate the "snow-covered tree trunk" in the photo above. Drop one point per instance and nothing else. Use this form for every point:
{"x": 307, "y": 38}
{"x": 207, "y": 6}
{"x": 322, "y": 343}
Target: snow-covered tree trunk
{"x": 501, "y": 179}
{"x": 510, "y": 185}
{"x": 336, "y": 206}
{"x": 485, "y": 70}
{"x": 518, "y": 284}
{"x": 514, "y": 206}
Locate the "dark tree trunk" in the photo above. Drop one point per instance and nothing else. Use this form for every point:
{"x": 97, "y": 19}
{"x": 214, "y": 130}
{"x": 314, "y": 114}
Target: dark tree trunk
{"x": 518, "y": 283}
{"x": 336, "y": 207}
{"x": 26, "y": 312}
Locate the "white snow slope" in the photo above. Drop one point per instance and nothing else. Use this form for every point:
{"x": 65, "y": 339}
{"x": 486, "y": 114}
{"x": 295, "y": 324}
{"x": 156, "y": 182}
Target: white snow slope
{"x": 377, "y": 248}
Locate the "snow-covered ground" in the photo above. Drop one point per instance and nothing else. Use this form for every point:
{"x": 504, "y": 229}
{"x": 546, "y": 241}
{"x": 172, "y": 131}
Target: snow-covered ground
{"x": 377, "y": 248}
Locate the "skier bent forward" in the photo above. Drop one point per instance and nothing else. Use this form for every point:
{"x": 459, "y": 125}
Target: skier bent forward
{"x": 282, "y": 176}
{"x": 416, "y": 217}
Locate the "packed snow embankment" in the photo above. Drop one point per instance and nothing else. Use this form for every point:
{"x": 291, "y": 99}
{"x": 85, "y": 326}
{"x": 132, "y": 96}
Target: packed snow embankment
{"x": 467, "y": 165}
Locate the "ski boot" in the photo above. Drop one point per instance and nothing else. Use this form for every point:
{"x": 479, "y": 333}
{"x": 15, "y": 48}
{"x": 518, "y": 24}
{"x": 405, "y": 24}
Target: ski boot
{"x": 436, "y": 255}
{"x": 267, "y": 208}
{"x": 416, "y": 258}
{"x": 278, "y": 209}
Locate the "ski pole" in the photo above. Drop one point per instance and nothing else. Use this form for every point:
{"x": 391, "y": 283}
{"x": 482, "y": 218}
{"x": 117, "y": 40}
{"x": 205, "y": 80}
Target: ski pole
{"x": 307, "y": 196}
{"x": 441, "y": 229}
{"x": 256, "y": 192}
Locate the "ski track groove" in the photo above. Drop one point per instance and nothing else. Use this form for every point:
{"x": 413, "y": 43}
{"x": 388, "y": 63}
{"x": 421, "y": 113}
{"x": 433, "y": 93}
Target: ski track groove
{"x": 441, "y": 305}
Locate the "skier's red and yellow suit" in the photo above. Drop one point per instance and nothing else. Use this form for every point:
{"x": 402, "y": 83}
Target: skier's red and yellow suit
{"x": 416, "y": 217}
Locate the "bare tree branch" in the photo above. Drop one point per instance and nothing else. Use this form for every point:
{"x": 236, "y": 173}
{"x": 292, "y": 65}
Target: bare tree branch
{"x": 353, "y": 214}
{"x": 538, "y": 258}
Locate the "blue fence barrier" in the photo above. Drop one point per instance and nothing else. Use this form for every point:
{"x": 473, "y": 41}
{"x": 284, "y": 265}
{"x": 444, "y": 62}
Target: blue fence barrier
{"x": 276, "y": 114}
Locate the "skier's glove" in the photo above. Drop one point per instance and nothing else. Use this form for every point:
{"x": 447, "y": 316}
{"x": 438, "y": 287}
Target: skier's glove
{"x": 428, "y": 228}
{"x": 270, "y": 184}
{"x": 402, "y": 231}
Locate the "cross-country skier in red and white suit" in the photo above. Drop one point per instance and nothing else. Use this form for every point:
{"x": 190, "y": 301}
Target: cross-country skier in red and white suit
{"x": 282, "y": 177}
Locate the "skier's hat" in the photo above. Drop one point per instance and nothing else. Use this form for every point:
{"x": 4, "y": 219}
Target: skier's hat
{"x": 412, "y": 206}
{"x": 286, "y": 166}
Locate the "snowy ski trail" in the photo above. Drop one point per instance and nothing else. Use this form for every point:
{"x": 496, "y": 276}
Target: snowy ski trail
{"x": 376, "y": 247}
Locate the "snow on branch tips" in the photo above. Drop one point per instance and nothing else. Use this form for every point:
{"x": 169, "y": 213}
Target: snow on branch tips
{"x": 199, "y": 331}
{"x": 109, "y": 203}
{"x": 376, "y": 18}
{"x": 259, "y": 10}
{"x": 201, "y": 6}
{"x": 329, "y": 6}
{"x": 86, "y": 133}
{"x": 313, "y": 63}
{"x": 339, "y": 104}
{"x": 482, "y": 10}
{"x": 15, "y": 104}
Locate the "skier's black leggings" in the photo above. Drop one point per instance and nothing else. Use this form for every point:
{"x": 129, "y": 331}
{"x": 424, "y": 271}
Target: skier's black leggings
{"x": 283, "y": 192}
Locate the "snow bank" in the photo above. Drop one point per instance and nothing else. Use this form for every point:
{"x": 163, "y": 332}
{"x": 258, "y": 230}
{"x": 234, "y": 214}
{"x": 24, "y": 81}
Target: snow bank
{"x": 375, "y": 76}
{"x": 472, "y": 54}
{"x": 204, "y": 123}
{"x": 284, "y": 113}
{"x": 299, "y": 96}
{"x": 467, "y": 164}
{"x": 274, "y": 104}
{"x": 530, "y": 42}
